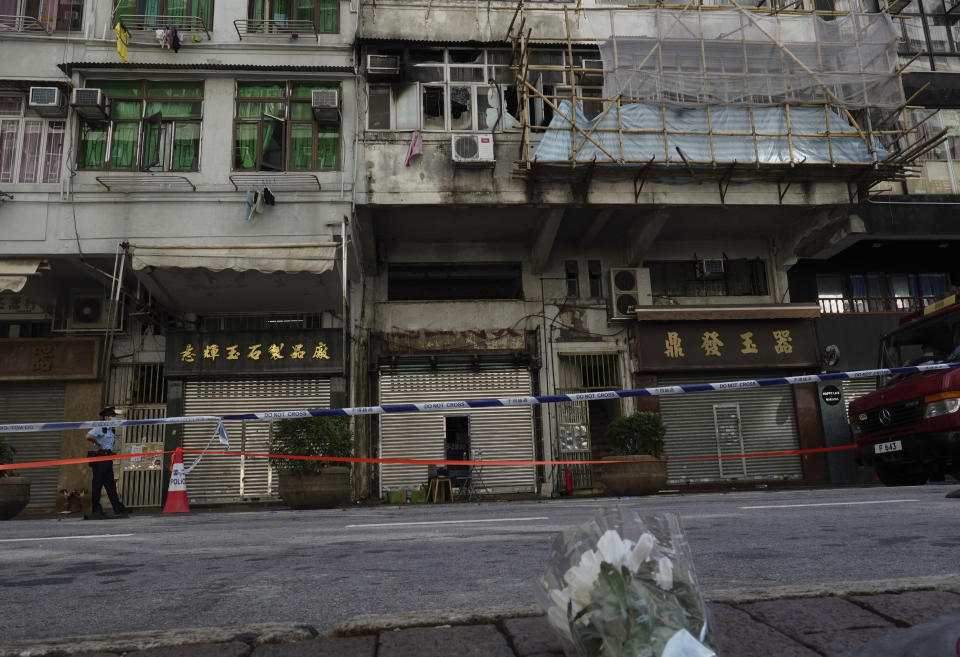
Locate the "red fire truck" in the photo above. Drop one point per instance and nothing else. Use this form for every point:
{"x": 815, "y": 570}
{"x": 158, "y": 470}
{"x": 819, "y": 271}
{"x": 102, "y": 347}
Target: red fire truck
{"x": 909, "y": 429}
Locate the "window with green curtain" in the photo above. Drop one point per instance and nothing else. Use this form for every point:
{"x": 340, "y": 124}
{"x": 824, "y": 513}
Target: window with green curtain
{"x": 245, "y": 147}
{"x": 261, "y": 90}
{"x": 175, "y": 90}
{"x": 118, "y": 88}
{"x": 125, "y": 9}
{"x": 174, "y": 110}
{"x": 186, "y": 147}
{"x": 328, "y": 16}
{"x": 328, "y": 149}
{"x": 152, "y": 135}
{"x": 123, "y": 148}
{"x": 301, "y": 146}
{"x": 92, "y": 150}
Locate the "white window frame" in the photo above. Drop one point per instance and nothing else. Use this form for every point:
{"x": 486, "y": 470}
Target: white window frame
{"x": 446, "y": 65}
{"x": 25, "y": 115}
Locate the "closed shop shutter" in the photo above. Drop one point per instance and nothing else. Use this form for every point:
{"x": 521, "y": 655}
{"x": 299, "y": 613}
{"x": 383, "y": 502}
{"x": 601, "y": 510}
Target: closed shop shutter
{"x": 225, "y": 479}
{"x": 502, "y": 433}
{"x": 730, "y": 422}
{"x": 855, "y": 389}
{"x": 35, "y": 402}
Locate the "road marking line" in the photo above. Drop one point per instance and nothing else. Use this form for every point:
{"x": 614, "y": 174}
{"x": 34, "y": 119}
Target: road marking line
{"x": 61, "y": 538}
{"x": 793, "y": 506}
{"x": 445, "y": 522}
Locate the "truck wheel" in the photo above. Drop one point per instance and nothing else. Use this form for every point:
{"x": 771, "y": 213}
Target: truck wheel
{"x": 901, "y": 476}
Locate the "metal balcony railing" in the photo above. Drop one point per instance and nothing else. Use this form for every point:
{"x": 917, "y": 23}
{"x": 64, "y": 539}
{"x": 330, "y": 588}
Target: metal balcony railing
{"x": 152, "y": 22}
{"x": 290, "y": 29}
{"x": 874, "y": 304}
{"x": 12, "y": 23}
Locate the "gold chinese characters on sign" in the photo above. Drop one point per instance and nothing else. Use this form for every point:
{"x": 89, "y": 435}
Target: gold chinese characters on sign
{"x": 711, "y": 343}
{"x": 253, "y": 352}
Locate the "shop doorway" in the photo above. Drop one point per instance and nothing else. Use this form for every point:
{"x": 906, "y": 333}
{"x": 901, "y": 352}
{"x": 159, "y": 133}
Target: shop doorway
{"x": 457, "y": 447}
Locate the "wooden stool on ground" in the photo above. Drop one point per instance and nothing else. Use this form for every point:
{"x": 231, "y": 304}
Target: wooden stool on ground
{"x": 440, "y": 489}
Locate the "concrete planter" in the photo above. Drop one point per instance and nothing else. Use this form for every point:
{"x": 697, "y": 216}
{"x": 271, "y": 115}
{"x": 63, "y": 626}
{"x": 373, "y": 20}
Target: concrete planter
{"x": 14, "y": 495}
{"x": 326, "y": 490}
{"x": 641, "y": 475}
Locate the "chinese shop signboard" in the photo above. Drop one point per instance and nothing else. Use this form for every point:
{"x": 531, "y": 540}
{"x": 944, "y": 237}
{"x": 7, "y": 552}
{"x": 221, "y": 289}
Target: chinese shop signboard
{"x": 665, "y": 346}
{"x": 29, "y": 359}
{"x": 254, "y": 352}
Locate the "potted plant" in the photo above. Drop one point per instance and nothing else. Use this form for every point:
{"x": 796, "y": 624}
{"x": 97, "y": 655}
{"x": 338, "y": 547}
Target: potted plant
{"x": 637, "y": 441}
{"x": 14, "y": 489}
{"x": 310, "y": 484}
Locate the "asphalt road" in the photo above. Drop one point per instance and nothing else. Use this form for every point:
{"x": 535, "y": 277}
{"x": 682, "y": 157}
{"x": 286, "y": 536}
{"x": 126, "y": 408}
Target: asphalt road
{"x": 65, "y": 576}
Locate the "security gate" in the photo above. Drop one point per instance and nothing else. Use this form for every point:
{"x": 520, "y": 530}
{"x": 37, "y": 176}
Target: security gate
{"x": 35, "y": 402}
{"x": 501, "y": 433}
{"x": 752, "y": 420}
{"x": 138, "y": 391}
{"x": 230, "y": 479}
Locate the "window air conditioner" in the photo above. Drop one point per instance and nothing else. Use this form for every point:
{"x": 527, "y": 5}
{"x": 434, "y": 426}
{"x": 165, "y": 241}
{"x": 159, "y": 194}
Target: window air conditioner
{"x": 472, "y": 149}
{"x": 90, "y": 104}
{"x": 629, "y": 288}
{"x": 710, "y": 269}
{"x": 48, "y": 102}
{"x": 383, "y": 66}
{"x": 326, "y": 105}
{"x": 593, "y": 73}
{"x": 87, "y": 312}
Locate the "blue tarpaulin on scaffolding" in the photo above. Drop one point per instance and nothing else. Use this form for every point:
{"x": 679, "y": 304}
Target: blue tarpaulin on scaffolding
{"x": 770, "y": 123}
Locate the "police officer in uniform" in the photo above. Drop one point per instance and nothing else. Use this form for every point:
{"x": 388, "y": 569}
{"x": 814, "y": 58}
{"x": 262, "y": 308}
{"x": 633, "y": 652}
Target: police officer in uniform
{"x": 103, "y": 439}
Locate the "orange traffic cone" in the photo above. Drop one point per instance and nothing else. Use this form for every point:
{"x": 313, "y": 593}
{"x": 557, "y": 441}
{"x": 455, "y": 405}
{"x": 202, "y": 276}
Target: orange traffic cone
{"x": 177, "y": 492}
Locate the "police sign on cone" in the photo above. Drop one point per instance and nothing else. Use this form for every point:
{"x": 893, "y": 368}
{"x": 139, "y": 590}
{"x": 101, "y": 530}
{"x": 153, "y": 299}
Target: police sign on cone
{"x": 177, "y": 491}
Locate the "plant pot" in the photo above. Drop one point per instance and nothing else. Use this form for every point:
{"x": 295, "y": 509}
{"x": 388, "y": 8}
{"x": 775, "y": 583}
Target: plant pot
{"x": 14, "y": 495}
{"x": 642, "y": 474}
{"x": 329, "y": 489}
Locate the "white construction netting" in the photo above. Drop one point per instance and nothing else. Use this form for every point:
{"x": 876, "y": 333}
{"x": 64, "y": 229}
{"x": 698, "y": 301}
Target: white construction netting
{"x": 732, "y": 56}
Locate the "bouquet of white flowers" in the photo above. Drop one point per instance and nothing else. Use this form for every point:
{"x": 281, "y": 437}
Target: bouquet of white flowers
{"x": 623, "y": 585}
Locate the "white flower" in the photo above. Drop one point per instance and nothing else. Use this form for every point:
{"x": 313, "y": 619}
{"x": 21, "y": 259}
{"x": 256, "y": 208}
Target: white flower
{"x": 582, "y": 578}
{"x": 558, "y": 619}
{"x": 640, "y": 552}
{"x": 613, "y": 549}
{"x": 664, "y": 574}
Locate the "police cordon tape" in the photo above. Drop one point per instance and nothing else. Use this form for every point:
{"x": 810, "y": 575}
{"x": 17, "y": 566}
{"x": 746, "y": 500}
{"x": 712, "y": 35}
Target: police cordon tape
{"x": 396, "y": 461}
{"x": 484, "y": 403}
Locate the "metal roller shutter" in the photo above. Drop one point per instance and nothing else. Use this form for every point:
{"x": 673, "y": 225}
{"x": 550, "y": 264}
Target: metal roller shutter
{"x": 502, "y": 433}
{"x": 730, "y": 422}
{"x": 856, "y": 388}
{"x": 35, "y": 402}
{"x": 234, "y": 479}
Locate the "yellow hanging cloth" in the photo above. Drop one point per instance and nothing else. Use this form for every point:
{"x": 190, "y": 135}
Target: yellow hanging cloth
{"x": 123, "y": 38}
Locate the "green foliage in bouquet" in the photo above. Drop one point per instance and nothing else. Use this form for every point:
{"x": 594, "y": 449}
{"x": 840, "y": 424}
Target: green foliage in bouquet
{"x": 6, "y": 457}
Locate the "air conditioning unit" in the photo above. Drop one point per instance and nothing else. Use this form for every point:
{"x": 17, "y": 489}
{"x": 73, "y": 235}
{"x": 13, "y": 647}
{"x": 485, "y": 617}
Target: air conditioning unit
{"x": 472, "y": 150}
{"x": 48, "y": 102}
{"x": 629, "y": 288}
{"x": 593, "y": 75}
{"x": 710, "y": 268}
{"x": 90, "y": 104}
{"x": 383, "y": 66}
{"x": 88, "y": 312}
{"x": 326, "y": 105}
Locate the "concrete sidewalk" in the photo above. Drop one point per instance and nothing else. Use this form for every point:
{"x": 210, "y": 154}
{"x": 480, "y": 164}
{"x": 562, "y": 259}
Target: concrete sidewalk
{"x": 780, "y": 622}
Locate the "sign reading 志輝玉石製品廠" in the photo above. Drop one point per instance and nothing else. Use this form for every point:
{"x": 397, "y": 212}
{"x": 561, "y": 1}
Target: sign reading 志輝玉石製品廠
{"x": 254, "y": 352}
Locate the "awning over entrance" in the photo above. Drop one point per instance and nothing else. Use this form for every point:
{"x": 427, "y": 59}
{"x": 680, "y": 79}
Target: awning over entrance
{"x": 241, "y": 278}
{"x": 14, "y": 272}
{"x": 289, "y": 258}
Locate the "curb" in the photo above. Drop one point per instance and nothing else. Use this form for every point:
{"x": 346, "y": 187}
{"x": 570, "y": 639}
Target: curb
{"x": 253, "y": 635}
{"x": 268, "y": 633}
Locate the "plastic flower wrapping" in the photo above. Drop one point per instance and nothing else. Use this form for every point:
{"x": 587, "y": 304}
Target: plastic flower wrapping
{"x": 623, "y": 585}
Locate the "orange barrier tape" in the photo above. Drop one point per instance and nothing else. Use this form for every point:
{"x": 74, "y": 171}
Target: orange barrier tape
{"x": 356, "y": 459}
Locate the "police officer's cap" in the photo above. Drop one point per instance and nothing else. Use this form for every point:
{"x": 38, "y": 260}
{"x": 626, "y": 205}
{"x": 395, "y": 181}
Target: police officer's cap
{"x": 108, "y": 411}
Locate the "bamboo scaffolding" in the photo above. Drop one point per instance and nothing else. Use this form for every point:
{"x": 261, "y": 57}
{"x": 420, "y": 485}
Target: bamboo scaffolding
{"x": 890, "y": 168}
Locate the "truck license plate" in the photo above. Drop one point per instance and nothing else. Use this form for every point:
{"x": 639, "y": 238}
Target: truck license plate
{"x": 892, "y": 446}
